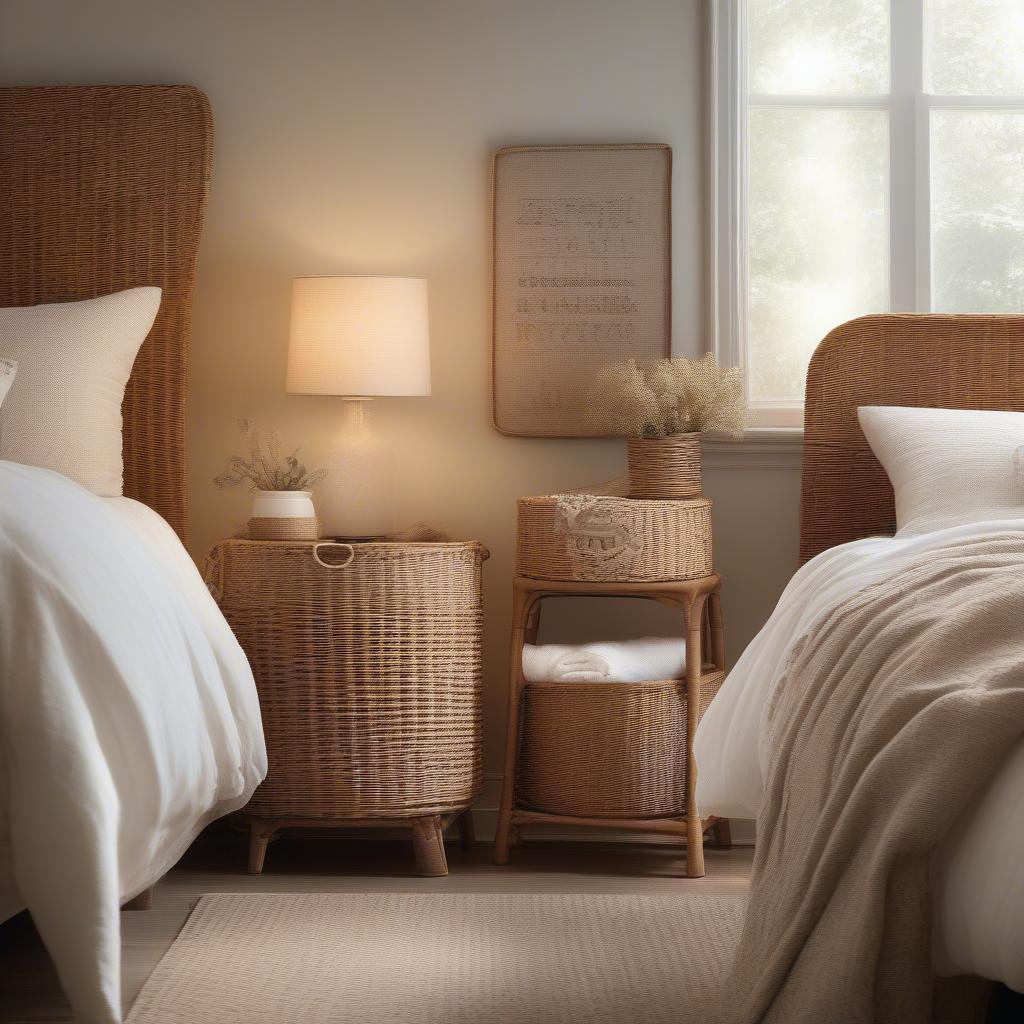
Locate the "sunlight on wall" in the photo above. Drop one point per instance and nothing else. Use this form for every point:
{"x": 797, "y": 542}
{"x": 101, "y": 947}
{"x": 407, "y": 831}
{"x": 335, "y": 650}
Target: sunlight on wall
{"x": 356, "y": 138}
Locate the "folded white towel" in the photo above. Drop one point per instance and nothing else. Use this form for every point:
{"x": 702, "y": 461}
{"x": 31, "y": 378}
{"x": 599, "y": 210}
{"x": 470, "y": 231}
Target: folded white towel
{"x": 620, "y": 661}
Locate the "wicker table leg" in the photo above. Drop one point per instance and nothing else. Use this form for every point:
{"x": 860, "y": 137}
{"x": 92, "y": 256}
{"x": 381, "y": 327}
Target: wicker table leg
{"x": 694, "y": 848}
{"x": 428, "y": 845}
{"x": 693, "y": 610}
{"x": 523, "y": 608}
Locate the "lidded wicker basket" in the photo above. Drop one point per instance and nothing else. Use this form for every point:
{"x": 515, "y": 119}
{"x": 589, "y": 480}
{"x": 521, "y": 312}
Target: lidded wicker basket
{"x": 607, "y": 750}
{"x": 597, "y": 537}
{"x": 367, "y": 660}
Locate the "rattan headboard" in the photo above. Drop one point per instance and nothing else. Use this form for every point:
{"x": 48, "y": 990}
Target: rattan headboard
{"x": 104, "y": 188}
{"x": 951, "y": 362}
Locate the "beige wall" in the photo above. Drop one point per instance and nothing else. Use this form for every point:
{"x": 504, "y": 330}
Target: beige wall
{"x": 355, "y": 137}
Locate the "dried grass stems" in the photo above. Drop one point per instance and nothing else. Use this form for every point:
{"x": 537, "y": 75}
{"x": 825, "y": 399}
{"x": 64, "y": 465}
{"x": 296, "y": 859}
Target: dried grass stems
{"x": 265, "y": 468}
{"x": 669, "y": 396}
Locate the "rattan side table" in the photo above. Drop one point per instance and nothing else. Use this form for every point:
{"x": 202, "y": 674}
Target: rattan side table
{"x": 367, "y": 659}
{"x": 616, "y": 755}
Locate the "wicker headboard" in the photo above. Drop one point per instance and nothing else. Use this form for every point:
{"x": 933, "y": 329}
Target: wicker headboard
{"x": 104, "y": 188}
{"x": 951, "y": 362}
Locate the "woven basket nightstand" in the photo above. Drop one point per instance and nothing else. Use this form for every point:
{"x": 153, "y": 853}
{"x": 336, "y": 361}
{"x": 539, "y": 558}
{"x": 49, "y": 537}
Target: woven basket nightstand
{"x": 616, "y": 755}
{"x": 367, "y": 659}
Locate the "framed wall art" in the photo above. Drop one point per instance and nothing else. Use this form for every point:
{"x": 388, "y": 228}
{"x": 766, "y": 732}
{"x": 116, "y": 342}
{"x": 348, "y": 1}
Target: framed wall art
{"x": 582, "y": 277}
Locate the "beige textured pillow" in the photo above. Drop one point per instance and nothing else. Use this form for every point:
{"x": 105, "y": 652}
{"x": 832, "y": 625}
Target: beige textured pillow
{"x": 948, "y": 467}
{"x": 74, "y": 359}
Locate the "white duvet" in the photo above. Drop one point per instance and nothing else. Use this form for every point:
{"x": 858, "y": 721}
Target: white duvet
{"x": 128, "y": 718}
{"x": 979, "y": 869}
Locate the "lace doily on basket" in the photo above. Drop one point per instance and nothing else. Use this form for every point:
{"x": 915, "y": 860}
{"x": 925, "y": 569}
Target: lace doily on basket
{"x": 598, "y": 540}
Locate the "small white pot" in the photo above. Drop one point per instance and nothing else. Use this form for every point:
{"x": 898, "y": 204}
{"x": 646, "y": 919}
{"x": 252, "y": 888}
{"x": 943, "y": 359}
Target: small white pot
{"x": 283, "y": 505}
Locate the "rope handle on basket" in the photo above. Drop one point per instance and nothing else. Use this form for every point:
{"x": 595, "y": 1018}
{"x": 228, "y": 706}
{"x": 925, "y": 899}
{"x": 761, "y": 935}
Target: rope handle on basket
{"x": 333, "y": 544}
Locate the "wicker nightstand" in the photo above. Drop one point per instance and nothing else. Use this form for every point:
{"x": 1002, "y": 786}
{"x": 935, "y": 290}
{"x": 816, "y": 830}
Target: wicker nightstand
{"x": 367, "y": 659}
{"x": 617, "y": 755}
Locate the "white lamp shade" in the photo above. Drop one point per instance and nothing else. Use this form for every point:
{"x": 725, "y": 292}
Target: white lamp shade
{"x": 359, "y": 336}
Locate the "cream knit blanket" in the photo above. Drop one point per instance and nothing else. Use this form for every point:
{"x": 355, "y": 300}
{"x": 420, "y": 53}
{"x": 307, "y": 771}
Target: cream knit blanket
{"x": 892, "y": 715}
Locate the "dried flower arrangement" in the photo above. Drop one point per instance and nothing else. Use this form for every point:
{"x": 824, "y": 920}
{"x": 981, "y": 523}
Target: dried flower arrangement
{"x": 265, "y": 469}
{"x": 669, "y": 396}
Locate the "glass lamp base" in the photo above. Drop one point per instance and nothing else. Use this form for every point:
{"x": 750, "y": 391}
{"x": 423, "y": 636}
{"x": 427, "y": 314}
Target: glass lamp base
{"x": 356, "y": 500}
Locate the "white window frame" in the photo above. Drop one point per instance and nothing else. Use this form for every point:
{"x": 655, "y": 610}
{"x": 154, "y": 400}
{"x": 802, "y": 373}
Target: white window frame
{"x": 909, "y": 203}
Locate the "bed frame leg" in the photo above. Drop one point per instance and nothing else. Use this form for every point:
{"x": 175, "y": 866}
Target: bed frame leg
{"x": 259, "y": 837}
{"x": 144, "y": 901}
{"x": 722, "y": 832}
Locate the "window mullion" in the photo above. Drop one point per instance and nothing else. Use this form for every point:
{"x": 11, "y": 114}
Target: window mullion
{"x": 728, "y": 186}
{"x": 908, "y": 240}
{"x": 1009, "y": 103}
{"x": 821, "y": 102}
{"x": 923, "y": 203}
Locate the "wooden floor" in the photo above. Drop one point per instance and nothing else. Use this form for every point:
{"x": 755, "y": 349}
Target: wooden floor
{"x": 28, "y": 985}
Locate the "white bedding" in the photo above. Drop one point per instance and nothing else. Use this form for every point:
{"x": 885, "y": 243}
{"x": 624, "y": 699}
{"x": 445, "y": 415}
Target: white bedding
{"x": 979, "y": 869}
{"x": 128, "y": 717}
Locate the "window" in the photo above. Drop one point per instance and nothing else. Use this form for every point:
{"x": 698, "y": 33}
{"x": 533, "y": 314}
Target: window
{"x": 868, "y": 155}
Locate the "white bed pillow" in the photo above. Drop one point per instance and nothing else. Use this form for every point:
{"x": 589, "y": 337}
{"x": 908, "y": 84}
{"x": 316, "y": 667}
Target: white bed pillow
{"x": 74, "y": 359}
{"x": 948, "y": 466}
{"x": 8, "y": 370}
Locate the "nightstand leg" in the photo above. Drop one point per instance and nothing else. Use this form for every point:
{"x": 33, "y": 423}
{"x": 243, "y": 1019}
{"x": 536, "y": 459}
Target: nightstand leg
{"x": 428, "y": 845}
{"x": 717, "y": 629}
{"x": 694, "y": 613}
{"x": 694, "y": 848}
{"x": 260, "y": 835}
{"x": 503, "y": 833}
{"x": 467, "y": 834}
{"x": 522, "y": 604}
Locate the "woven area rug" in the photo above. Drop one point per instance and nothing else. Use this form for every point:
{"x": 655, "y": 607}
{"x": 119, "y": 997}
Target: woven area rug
{"x": 445, "y": 959}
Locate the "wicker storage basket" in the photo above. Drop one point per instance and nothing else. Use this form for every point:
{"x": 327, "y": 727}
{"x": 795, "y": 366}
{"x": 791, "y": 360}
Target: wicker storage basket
{"x": 589, "y": 537}
{"x": 664, "y": 467}
{"x": 606, "y": 750}
{"x": 368, "y": 666}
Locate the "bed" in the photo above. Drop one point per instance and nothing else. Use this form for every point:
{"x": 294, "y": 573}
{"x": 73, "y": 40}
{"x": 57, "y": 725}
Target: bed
{"x": 846, "y": 548}
{"x": 128, "y": 714}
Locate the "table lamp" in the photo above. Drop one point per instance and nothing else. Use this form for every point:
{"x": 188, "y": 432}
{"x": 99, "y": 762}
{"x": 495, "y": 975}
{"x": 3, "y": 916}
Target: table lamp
{"x": 359, "y": 338}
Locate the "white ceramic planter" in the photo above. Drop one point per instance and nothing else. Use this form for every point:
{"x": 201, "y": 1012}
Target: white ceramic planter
{"x": 283, "y": 505}
{"x": 283, "y": 515}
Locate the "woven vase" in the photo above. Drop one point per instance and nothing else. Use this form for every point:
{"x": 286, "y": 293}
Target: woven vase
{"x": 270, "y": 528}
{"x": 664, "y": 467}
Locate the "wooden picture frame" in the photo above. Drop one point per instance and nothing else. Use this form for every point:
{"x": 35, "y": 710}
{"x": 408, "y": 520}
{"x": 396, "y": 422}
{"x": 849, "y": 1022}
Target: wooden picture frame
{"x": 582, "y": 268}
